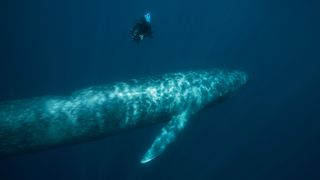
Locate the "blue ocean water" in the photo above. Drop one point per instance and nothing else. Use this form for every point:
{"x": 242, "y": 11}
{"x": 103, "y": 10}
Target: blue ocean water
{"x": 269, "y": 130}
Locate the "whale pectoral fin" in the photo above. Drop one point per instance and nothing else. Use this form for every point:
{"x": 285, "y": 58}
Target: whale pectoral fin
{"x": 167, "y": 135}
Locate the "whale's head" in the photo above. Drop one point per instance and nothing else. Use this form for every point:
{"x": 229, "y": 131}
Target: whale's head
{"x": 227, "y": 82}
{"x": 218, "y": 85}
{"x": 198, "y": 89}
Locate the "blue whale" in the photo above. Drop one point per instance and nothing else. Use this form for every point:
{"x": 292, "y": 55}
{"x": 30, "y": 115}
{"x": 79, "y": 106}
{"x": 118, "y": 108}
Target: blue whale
{"x": 40, "y": 123}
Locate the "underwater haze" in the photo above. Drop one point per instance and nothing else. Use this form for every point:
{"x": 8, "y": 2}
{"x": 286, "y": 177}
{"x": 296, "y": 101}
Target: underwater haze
{"x": 270, "y": 129}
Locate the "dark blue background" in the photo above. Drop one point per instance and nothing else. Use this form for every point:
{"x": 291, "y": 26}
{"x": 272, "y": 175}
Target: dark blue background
{"x": 270, "y": 130}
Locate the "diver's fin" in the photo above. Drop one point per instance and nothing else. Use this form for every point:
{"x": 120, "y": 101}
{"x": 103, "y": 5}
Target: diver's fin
{"x": 167, "y": 135}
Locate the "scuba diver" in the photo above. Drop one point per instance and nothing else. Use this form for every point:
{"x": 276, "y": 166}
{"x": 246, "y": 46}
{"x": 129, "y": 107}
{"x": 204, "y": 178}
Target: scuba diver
{"x": 142, "y": 28}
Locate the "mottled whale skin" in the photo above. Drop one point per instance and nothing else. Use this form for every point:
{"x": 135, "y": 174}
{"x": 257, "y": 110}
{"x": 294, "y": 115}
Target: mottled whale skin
{"x": 101, "y": 111}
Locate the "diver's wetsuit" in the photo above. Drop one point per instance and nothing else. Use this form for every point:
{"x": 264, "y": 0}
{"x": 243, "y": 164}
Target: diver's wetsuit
{"x": 140, "y": 30}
